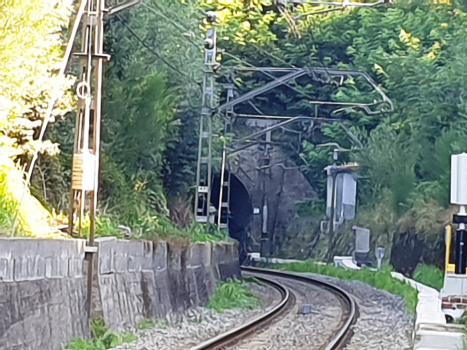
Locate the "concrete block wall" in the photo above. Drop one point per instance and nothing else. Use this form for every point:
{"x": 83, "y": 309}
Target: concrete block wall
{"x": 144, "y": 279}
{"x": 42, "y": 293}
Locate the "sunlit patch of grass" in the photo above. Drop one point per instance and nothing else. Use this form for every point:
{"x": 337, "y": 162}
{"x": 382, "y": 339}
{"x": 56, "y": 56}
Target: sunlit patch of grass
{"x": 33, "y": 219}
{"x": 233, "y": 294}
{"x": 380, "y": 279}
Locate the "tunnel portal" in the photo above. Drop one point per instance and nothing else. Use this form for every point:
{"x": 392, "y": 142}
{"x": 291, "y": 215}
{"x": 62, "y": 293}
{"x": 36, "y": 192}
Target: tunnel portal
{"x": 241, "y": 211}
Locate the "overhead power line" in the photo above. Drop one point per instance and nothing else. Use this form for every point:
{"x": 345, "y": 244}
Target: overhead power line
{"x": 150, "y": 49}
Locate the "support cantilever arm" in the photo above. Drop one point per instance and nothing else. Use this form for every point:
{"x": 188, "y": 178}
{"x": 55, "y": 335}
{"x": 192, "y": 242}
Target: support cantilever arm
{"x": 269, "y": 86}
{"x": 121, "y": 7}
{"x": 314, "y": 73}
{"x": 262, "y": 132}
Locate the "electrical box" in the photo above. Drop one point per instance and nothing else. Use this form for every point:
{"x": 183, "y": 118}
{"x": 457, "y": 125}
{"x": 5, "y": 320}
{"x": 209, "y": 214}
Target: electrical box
{"x": 362, "y": 240}
{"x": 345, "y": 196}
{"x": 83, "y": 171}
{"x": 459, "y": 179}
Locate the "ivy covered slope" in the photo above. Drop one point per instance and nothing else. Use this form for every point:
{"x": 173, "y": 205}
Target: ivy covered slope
{"x": 415, "y": 52}
{"x": 30, "y": 52}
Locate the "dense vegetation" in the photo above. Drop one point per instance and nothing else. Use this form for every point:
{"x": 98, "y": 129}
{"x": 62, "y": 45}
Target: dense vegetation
{"x": 30, "y": 50}
{"x": 413, "y": 49}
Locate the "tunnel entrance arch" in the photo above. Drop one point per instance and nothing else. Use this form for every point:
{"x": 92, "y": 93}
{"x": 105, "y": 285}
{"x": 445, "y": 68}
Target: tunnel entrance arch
{"x": 241, "y": 211}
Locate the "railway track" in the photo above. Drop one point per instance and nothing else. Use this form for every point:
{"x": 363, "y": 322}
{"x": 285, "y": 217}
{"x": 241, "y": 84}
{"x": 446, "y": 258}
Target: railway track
{"x": 287, "y": 304}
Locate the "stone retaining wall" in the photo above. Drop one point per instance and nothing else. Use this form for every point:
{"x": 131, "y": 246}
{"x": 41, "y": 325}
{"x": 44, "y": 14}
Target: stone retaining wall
{"x": 139, "y": 280}
{"x": 43, "y": 285}
{"x": 42, "y": 293}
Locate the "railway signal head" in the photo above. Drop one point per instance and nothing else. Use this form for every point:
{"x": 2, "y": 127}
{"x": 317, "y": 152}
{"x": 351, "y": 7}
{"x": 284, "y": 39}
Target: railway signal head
{"x": 211, "y": 16}
{"x": 209, "y": 44}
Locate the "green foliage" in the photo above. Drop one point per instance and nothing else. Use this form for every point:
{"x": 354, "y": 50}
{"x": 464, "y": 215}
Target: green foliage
{"x": 389, "y": 160}
{"x": 162, "y": 228}
{"x": 138, "y": 113}
{"x": 380, "y": 279}
{"x": 311, "y": 208}
{"x": 102, "y": 338}
{"x": 98, "y": 328}
{"x": 174, "y": 39}
{"x": 415, "y": 51}
{"x": 233, "y": 294}
{"x": 32, "y": 219}
{"x": 430, "y": 276}
{"x": 146, "y": 324}
{"x": 105, "y": 227}
{"x": 31, "y": 50}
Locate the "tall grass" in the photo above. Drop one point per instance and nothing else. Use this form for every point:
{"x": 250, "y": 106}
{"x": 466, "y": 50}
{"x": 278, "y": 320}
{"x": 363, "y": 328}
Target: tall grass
{"x": 233, "y": 294}
{"x": 380, "y": 279}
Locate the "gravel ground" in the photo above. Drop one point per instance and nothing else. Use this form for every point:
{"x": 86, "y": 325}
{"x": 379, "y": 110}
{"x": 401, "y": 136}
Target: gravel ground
{"x": 183, "y": 332}
{"x": 383, "y": 323}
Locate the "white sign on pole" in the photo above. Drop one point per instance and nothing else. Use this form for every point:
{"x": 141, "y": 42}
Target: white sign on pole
{"x": 379, "y": 256}
{"x": 379, "y": 253}
{"x": 459, "y": 179}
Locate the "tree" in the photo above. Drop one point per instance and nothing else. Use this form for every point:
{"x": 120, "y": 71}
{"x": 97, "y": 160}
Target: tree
{"x": 30, "y": 51}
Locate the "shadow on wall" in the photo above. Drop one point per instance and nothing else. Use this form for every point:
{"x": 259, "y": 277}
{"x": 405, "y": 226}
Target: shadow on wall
{"x": 241, "y": 211}
{"x": 406, "y": 253}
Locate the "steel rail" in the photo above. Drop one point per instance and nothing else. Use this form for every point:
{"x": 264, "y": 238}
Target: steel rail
{"x": 337, "y": 342}
{"x": 344, "y": 332}
{"x": 233, "y": 334}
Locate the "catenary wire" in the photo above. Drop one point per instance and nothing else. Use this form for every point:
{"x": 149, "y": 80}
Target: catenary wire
{"x": 141, "y": 41}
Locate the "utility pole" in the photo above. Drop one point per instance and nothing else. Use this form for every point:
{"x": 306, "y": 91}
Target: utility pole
{"x": 332, "y": 172}
{"x": 86, "y": 152}
{"x": 204, "y": 166}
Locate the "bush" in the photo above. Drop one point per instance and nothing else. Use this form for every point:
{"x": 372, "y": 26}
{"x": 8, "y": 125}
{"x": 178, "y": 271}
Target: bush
{"x": 102, "y": 338}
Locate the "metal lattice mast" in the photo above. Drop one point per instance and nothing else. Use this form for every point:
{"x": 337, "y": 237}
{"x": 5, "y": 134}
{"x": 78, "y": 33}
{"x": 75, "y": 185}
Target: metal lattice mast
{"x": 204, "y": 167}
{"x": 224, "y": 184}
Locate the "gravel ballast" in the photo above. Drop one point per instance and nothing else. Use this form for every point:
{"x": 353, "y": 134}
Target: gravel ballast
{"x": 383, "y": 322}
{"x": 297, "y": 331}
{"x": 200, "y": 324}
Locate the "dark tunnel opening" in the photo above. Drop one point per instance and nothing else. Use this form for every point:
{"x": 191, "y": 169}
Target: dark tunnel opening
{"x": 241, "y": 211}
